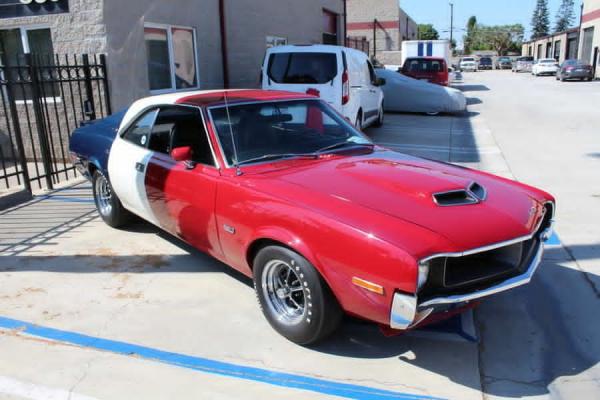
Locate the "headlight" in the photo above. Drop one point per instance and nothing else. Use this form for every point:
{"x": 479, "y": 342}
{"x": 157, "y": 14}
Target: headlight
{"x": 423, "y": 274}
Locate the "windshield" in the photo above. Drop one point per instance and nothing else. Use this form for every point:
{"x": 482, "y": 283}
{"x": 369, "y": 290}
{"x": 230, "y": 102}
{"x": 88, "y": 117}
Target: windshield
{"x": 302, "y": 67}
{"x": 468, "y": 59}
{"x": 268, "y": 131}
{"x": 548, "y": 61}
{"x": 504, "y": 59}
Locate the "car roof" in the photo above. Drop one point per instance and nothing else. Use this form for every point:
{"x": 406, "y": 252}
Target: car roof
{"x": 204, "y": 98}
{"x": 217, "y": 97}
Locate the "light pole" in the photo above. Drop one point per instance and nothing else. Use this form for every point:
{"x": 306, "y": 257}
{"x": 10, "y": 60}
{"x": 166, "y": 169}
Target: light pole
{"x": 451, "y": 22}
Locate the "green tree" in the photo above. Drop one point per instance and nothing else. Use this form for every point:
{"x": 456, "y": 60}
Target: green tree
{"x": 500, "y": 38}
{"x": 540, "y": 21}
{"x": 565, "y": 17}
{"x": 470, "y": 37}
{"x": 428, "y": 32}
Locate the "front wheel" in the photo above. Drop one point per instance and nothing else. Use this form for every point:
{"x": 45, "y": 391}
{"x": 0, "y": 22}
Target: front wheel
{"x": 294, "y": 298}
{"x": 107, "y": 203}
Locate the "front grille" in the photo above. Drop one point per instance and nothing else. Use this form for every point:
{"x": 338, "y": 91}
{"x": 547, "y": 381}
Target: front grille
{"x": 465, "y": 274}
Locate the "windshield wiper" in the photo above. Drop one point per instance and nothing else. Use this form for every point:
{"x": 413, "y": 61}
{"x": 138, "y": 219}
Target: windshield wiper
{"x": 268, "y": 157}
{"x": 342, "y": 145}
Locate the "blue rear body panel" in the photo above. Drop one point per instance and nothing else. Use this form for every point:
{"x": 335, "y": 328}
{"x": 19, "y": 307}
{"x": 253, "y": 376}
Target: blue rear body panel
{"x": 91, "y": 143}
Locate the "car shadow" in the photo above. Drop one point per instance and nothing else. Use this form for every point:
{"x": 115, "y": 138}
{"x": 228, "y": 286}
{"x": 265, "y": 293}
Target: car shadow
{"x": 472, "y": 88}
{"x": 473, "y": 100}
{"x": 532, "y": 338}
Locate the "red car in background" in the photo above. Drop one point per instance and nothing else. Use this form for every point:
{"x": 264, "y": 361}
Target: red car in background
{"x": 431, "y": 69}
{"x": 282, "y": 188}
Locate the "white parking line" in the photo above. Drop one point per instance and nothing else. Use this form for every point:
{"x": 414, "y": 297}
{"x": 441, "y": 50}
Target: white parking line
{"x": 26, "y": 390}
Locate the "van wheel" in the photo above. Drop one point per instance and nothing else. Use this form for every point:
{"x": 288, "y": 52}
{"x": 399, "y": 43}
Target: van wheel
{"x": 358, "y": 122}
{"x": 380, "y": 117}
{"x": 293, "y": 296}
{"x": 108, "y": 204}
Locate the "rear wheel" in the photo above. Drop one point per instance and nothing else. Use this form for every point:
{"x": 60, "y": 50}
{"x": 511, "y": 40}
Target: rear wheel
{"x": 107, "y": 203}
{"x": 358, "y": 121}
{"x": 294, "y": 298}
{"x": 380, "y": 116}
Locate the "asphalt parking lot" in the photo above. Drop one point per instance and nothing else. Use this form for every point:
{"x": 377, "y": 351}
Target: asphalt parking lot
{"x": 89, "y": 312}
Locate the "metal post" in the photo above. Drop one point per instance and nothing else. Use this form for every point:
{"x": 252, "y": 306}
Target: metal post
{"x": 451, "y": 23}
{"x": 106, "y": 86}
{"x": 375, "y": 38}
{"x": 15, "y": 121}
{"x": 39, "y": 118}
{"x": 89, "y": 91}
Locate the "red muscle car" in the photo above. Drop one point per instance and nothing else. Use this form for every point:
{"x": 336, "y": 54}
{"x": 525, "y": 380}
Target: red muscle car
{"x": 282, "y": 188}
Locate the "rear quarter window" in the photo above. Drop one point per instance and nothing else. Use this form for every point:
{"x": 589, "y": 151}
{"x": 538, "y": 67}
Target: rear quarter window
{"x": 302, "y": 68}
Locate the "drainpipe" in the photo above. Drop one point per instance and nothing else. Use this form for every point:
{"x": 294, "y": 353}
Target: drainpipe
{"x": 579, "y": 36}
{"x": 224, "y": 54}
{"x": 345, "y": 23}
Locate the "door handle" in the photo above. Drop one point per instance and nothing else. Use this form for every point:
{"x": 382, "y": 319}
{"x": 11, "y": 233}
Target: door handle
{"x": 139, "y": 167}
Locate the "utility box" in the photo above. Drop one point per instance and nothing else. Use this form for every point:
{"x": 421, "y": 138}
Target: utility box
{"x": 426, "y": 48}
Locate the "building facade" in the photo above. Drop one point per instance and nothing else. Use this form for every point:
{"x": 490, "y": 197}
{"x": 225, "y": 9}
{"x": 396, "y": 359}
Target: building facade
{"x": 158, "y": 46}
{"x": 384, "y": 24}
{"x": 560, "y": 46}
{"x": 590, "y": 34}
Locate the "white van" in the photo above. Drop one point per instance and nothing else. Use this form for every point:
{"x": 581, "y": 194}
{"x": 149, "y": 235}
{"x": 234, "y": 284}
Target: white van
{"x": 343, "y": 77}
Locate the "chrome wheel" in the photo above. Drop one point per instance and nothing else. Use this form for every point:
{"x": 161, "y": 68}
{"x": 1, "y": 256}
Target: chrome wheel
{"x": 284, "y": 292}
{"x": 103, "y": 196}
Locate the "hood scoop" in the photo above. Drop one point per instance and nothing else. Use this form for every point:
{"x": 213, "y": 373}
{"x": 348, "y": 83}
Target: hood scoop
{"x": 473, "y": 194}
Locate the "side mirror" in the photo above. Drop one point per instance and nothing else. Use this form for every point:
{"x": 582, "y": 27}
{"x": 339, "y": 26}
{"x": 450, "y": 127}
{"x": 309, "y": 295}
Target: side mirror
{"x": 380, "y": 82}
{"x": 182, "y": 153}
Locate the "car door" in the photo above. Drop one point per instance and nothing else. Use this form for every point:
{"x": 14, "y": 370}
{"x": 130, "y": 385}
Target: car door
{"x": 372, "y": 94}
{"x": 182, "y": 194}
{"x": 129, "y": 156}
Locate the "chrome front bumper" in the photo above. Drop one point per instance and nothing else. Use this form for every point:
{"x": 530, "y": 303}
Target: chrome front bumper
{"x": 407, "y": 312}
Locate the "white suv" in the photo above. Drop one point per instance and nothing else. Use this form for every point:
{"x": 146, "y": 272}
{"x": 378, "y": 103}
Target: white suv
{"x": 468, "y": 64}
{"x": 343, "y": 77}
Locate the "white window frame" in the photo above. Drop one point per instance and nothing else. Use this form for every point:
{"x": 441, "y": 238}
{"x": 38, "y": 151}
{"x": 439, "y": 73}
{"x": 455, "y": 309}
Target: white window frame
{"x": 169, "y": 28}
{"x": 27, "y": 49}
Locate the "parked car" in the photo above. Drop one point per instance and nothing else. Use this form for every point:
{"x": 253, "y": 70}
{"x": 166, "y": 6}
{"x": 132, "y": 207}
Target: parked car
{"x": 406, "y": 94}
{"x": 468, "y": 64}
{"x": 575, "y": 69}
{"x": 486, "y": 63}
{"x": 343, "y": 77}
{"x": 430, "y": 69}
{"x": 544, "y": 66}
{"x": 522, "y": 64}
{"x": 282, "y": 188}
{"x": 504, "y": 63}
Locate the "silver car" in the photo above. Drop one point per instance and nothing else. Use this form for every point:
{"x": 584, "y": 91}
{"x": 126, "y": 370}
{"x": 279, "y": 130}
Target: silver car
{"x": 522, "y": 64}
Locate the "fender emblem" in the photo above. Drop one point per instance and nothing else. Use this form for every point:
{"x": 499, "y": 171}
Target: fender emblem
{"x": 229, "y": 229}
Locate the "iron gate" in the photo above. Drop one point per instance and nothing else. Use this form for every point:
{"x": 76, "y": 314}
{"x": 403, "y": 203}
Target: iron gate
{"x": 43, "y": 98}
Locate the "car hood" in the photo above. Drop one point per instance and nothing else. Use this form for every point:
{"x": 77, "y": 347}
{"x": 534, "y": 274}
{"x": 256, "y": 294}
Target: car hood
{"x": 402, "y": 187}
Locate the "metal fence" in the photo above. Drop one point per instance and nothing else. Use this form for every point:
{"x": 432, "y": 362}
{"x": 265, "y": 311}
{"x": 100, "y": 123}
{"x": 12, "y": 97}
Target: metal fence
{"x": 359, "y": 43}
{"x": 43, "y": 98}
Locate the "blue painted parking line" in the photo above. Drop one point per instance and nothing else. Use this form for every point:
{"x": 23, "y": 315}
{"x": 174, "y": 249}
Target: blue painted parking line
{"x": 209, "y": 366}
{"x": 554, "y": 240}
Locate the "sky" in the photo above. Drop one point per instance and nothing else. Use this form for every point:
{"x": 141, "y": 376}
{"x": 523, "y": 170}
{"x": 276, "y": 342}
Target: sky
{"x": 488, "y": 12}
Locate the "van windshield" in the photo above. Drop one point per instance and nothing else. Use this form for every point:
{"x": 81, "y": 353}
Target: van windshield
{"x": 302, "y": 67}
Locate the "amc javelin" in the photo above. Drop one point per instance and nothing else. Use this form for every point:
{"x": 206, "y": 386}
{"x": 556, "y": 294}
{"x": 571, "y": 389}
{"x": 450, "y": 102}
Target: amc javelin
{"x": 282, "y": 188}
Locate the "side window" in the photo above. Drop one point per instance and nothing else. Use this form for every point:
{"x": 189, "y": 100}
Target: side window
{"x": 139, "y": 133}
{"x": 372, "y": 75}
{"x": 181, "y": 127}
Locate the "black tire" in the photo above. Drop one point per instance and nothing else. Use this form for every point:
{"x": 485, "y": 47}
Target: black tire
{"x": 562, "y": 79}
{"x": 380, "y": 117}
{"x": 109, "y": 207}
{"x": 358, "y": 121}
{"x": 321, "y": 313}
